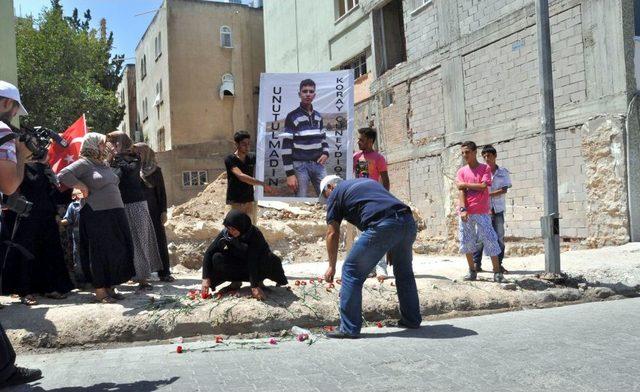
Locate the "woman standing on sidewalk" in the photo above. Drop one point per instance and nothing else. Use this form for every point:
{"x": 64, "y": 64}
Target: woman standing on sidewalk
{"x": 106, "y": 247}
{"x": 156, "y": 196}
{"x": 126, "y": 164}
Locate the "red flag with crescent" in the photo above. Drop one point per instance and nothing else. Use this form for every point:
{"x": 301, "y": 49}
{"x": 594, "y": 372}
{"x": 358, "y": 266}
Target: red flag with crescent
{"x": 61, "y": 157}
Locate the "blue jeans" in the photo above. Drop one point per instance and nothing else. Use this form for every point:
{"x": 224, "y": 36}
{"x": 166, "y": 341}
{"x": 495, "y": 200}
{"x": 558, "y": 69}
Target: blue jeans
{"x": 308, "y": 171}
{"x": 394, "y": 235}
{"x": 497, "y": 221}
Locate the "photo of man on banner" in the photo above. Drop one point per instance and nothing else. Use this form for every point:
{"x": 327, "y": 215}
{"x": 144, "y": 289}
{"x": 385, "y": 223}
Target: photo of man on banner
{"x": 305, "y": 132}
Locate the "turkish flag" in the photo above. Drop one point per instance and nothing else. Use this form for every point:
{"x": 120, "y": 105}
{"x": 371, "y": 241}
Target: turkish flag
{"x": 60, "y": 157}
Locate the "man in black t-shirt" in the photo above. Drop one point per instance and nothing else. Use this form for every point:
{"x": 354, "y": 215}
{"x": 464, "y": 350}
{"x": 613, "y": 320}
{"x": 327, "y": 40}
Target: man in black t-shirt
{"x": 240, "y": 177}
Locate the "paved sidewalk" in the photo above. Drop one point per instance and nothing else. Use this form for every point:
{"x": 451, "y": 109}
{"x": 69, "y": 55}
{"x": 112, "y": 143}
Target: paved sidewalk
{"x": 588, "y": 347}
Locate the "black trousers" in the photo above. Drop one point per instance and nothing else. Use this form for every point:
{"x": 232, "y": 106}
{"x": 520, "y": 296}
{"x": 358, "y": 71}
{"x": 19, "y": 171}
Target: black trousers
{"x": 7, "y": 356}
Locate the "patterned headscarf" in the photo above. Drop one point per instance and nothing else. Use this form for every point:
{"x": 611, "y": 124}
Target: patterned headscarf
{"x": 122, "y": 141}
{"x": 91, "y": 147}
{"x": 147, "y": 159}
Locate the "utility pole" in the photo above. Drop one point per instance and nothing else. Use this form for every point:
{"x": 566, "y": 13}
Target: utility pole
{"x": 551, "y": 220}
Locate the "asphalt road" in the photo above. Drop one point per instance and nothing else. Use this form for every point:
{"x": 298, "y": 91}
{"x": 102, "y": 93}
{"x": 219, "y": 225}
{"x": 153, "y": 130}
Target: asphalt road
{"x": 587, "y": 347}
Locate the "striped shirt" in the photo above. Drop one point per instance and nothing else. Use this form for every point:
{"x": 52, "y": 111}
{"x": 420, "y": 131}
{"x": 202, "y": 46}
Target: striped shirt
{"x": 304, "y": 138}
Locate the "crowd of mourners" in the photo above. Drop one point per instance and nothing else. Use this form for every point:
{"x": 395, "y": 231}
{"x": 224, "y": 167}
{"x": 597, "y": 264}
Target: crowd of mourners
{"x": 114, "y": 236}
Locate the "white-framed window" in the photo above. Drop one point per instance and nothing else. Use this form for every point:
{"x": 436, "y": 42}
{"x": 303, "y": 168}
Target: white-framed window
{"x": 143, "y": 67}
{"x": 358, "y": 64}
{"x": 344, "y": 6}
{"x": 225, "y": 37}
{"x": 228, "y": 87}
{"x": 158, "y": 45}
{"x": 419, "y": 5}
{"x": 145, "y": 110}
{"x": 196, "y": 178}
{"x": 158, "y": 99}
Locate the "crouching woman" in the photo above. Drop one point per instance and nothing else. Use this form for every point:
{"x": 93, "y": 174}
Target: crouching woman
{"x": 239, "y": 254}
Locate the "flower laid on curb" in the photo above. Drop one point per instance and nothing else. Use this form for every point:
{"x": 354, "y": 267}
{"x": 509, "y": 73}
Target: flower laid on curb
{"x": 219, "y": 339}
{"x": 179, "y": 349}
{"x": 273, "y": 341}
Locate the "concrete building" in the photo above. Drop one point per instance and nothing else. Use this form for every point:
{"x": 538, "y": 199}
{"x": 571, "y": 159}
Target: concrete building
{"x": 8, "y": 60}
{"x": 441, "y": 72}
{"x": 198, "y": 68}
{"x": 126, "y": 93}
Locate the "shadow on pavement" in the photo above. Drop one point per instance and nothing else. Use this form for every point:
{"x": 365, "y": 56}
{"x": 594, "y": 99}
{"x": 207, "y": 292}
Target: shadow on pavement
{"x": 137, "y": 386}
{"x": 440, "y": 331}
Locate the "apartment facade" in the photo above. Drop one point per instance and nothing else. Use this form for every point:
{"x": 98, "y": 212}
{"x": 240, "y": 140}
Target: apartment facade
{"x": 126, "y": 93}
{"x": 198, "y": 68}
{"x": 442, "y": 72}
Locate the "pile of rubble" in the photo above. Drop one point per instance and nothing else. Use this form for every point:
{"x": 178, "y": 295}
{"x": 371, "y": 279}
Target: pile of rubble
{"x": 296, "y": 232}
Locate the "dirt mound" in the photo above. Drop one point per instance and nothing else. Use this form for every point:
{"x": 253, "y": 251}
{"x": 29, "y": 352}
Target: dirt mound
{"x": 295, "y": 231}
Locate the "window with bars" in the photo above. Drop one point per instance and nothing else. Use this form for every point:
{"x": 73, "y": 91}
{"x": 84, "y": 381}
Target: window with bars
{"x": 344, "y": 6}
{"x": 191, "y": 179}
{"x": 358, "y": 64}
{"x": 225, "y": 37}
{"x": 158, "y": 100}
{"x": 145, "y": 110}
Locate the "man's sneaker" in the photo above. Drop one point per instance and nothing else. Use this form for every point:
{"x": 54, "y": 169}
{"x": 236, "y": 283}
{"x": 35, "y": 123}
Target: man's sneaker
{"x": 472, "y": 275}
{"x": 22, "y": 376}
{"x": 498, "y": 277}
{"x": 404, "y": 324}
{"x": 340, "y": 335}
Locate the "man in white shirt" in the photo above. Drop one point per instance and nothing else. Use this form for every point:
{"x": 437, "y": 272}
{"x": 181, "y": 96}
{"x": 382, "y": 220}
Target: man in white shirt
{"x": 13, "y": 155}
{"x": 500, "y": 183}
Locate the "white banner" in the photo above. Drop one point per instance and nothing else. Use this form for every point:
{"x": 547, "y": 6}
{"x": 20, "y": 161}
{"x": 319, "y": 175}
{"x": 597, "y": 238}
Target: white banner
{"x": 305, "y": 131}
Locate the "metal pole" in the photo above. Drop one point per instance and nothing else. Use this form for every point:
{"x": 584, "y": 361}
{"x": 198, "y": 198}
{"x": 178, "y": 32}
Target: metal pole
{"x": 551, "y": 219}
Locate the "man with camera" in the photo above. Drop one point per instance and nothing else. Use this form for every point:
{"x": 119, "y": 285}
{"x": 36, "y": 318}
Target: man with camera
{"x": 13, "y": 156}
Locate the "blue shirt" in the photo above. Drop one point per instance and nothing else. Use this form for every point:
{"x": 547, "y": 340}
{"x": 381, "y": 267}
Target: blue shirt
{"x": 362, "y": 202}
{"x": 73, "y": 215}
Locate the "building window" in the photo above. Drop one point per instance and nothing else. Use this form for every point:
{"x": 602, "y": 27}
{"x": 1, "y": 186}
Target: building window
{"x": 388, "y": 27}
{"x": 161, "y": 140}
{"x": 158, "y": 100}
{"x": 225, "y": 37}
{"x": 143, "y": 67}
{"x": 227, "y": 88}
{"x": 358, "y": 64}
{"x": 636, "y": 6}
{"x": 191, "y": 179}
{"x": 158, "y": 45}
{"x": 420, "y": 3}
{"x": 344, "y": 6}
{"x": 145, "y": 109}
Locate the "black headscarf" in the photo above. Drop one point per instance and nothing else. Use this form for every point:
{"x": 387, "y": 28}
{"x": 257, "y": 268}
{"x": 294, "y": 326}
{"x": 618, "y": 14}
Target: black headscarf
{"x": 239, "y": 221}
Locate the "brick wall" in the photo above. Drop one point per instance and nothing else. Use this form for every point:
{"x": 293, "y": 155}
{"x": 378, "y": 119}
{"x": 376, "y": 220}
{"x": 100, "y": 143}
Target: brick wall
{"x": 427, "y": 193}
{"x": 475, "y": 14}
{"x": 393, "y": 119}
{"x": 426, "y": 119}
{"x": 501, "y": 79}
{"x": 421, "y": 29}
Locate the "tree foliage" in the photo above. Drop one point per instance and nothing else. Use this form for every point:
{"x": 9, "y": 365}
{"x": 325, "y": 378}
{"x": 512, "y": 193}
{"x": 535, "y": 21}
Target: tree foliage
{"x": 65, "y": 69}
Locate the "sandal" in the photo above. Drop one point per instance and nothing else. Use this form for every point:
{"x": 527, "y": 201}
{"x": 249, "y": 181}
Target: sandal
{"x": 28, "y": 300}
{"x": 55, "y": 295}
{"x": 145, "y": 286}
{"x": 104, "y": 300}
{"x": 117, "y": 296}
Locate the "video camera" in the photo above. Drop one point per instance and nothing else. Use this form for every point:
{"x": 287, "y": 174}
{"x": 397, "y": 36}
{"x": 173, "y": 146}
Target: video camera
{"x": 38, "y": 139}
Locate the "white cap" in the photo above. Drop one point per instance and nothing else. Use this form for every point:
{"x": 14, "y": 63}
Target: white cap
{"x": 8, "y": 90}
{"x": 330, "y": 179}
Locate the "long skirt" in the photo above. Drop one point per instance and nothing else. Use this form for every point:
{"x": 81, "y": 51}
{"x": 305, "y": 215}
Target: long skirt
{"x": 46, "y": 270}
{"x": 146, "y": 257}
{"x": 161, "y": 237}
{"x": 226, "y": 268}
{"x": 106, "y": 248}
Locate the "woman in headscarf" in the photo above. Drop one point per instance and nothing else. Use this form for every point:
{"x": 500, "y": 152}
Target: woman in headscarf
{"x": 106, "y": 248}
{"x": 156, "y": 196}
{"x": 239, "y": 254}
{"x": 126, "y": 163}
{"x": 46, "y": 271}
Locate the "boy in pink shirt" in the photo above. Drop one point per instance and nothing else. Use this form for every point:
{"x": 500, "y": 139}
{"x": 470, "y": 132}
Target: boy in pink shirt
{"x": 368, "y": 163}
{"x": 473, "y": 181}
